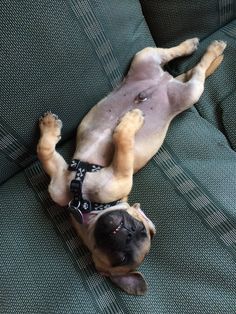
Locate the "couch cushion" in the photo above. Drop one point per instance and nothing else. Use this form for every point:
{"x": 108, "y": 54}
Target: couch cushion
{"x": 175, "y": 20}
{"x": 217, "y": 103}
{"x": 60, "y": 56}
{"x": 44, "y": 267}
{"x": 37, "y": 274}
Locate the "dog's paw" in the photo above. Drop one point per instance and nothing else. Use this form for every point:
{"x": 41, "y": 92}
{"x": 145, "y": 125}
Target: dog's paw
{"x": 190, "y": 45}
{"x": 218, "y": 47}
{"x": 49, "y": 123}
{"x": 133, "y": 117}
{"x": 131, "y": 120}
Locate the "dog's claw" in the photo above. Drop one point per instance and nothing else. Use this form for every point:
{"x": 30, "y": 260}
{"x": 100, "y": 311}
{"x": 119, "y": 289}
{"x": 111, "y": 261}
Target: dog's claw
{"x": 49, "y": 118}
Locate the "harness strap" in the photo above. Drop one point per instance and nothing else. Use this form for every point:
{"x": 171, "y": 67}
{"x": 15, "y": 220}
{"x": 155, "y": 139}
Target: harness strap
{"x": 78, "y": 206}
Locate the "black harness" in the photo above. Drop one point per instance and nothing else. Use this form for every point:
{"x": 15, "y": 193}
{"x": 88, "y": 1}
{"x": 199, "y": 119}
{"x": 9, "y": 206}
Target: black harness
{"x": 79, "y": 206}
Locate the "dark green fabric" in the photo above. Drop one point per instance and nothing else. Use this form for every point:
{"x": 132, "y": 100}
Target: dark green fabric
{"x": 50, "y": 61}
{"x": 201, "y": 165}
{"x": 37, "y": 275}
{"x": 175, "y": 20}
{"x": 188, "y": 189}
{"x": 186, "y": 267}
{"x": 14, "y": 154}
{"x": 7, "y": 168}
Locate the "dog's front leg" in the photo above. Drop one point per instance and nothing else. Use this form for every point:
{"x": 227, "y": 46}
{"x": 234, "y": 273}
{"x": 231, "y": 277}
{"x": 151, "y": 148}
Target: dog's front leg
{"x": 53, "y": 163}
{"x": 124, "y": 140}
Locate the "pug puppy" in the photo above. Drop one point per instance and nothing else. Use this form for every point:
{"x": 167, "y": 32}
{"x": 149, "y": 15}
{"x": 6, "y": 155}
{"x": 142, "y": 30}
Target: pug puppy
{"x": 114, "y": 140}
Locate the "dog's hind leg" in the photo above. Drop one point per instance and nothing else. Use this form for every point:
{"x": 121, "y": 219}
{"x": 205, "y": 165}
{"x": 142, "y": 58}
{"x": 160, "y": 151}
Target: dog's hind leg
{"x": 150, "y": 60}
{"x": 184, "y": 77}
{"x": 52, "y": 162}
{"x": 164, "y": 55}
{"x": 185, "y": 48}
{"x": 184, "y": 95}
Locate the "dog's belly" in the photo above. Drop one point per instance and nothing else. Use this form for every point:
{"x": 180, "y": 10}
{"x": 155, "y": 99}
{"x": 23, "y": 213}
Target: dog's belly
{"x": 95, "y": 131}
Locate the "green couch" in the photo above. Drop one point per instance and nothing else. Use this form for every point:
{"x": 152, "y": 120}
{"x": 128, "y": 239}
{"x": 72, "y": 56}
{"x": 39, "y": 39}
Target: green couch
{"x": 64, "y": 56}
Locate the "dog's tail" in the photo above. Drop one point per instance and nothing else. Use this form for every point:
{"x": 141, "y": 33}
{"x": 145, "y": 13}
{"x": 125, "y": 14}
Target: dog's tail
{"x": 212, "y": 68}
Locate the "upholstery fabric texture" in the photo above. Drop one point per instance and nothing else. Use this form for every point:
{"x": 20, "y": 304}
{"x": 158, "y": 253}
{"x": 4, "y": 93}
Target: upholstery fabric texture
{"x": 173, "y": 21}
{"x": 64, "y": 56}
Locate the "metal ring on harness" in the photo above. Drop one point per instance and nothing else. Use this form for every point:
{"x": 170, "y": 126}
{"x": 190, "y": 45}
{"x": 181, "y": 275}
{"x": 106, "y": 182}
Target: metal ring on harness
{"x": 76, "y": 212}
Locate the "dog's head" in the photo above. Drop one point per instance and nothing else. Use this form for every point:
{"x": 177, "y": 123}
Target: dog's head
{"x": 119, "y": 239}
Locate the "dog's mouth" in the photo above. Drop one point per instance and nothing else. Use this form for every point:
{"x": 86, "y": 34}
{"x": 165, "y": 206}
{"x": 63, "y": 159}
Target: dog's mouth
{"x": 118, "y": 228}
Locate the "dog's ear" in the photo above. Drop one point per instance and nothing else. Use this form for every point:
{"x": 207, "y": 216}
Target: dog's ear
{"x": 132, "y": 283}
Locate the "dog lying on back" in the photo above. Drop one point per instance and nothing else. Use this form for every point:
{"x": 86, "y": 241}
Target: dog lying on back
{"x": 114, "y": 140}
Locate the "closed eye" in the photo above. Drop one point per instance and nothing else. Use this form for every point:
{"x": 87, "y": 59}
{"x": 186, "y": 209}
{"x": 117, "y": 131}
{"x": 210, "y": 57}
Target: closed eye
{"x": 124, "y": 260}
{"x": 144, "y": 232}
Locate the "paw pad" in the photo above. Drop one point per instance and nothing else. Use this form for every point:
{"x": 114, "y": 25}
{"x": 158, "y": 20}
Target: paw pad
{"x": 50, "y": 122}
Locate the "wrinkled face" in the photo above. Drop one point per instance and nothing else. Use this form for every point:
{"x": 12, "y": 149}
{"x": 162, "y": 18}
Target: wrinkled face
{"x": 122, "y": 240}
